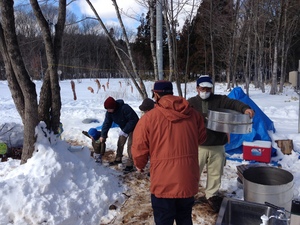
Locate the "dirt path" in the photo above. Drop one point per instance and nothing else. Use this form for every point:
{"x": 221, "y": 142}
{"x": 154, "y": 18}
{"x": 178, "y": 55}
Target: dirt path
{"x": 137, "y": 210}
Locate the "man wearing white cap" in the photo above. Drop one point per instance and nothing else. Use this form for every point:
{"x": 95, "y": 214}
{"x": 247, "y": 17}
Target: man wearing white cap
{"x": 212, "y": 151}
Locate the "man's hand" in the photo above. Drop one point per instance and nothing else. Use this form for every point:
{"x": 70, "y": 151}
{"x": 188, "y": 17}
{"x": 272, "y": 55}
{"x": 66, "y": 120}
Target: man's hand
{"x": 139, "y": 170}
{"x": 123, "y": 134}
{"x": 102, "y": 139}
{"x": 250, "y": 112}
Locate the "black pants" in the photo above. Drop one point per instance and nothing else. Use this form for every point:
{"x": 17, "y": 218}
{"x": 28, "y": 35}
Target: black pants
{"x": 166, "y": 210}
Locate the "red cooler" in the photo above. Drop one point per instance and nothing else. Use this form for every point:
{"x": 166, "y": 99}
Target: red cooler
{"x": 259, "y": 151}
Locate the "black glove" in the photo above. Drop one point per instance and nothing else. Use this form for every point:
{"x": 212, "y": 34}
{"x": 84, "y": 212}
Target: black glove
{"x": 86, "y": 133}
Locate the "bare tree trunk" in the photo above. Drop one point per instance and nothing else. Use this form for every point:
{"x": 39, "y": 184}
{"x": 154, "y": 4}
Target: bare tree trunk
{"x": 283, "y": 46}
{"x": 260, "y": 37}
{"x": 230, "y": 76}
{"x": 22, "y": 88}
{"x": 152, "y": 39}
{"x": 170, "y": 39}
{"x": 230, "y": 59}
{"x": 142, "y": 89}
{"x": 50, "y": 100}
{"x": 255, "y": 63}
{"x": 290, "y": 22}
{"x": 282, "y": 64}
{"x": 260, "y": 67}
{"x": 141, "y": 86}
{"x": 236, "y": 51}
{"x": 212, "y": 44}
{"x": 11, "y": 77}
{"x": 187, "y": 61}
{"x": 171, "y": 34}
{"x": 45, "y": 100}
{"x": 188, "y": 50}
{"x": 274, "y": 88}
{"x": 247, "y": 75}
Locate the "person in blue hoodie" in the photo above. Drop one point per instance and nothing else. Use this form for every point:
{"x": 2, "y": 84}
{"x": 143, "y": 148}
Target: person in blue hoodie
{"x": 123, "y": 115}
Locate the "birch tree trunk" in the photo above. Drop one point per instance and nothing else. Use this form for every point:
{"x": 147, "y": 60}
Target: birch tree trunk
{"x": 151, "y": 4}
{"x": 140, "y": 87}
{"x": 212, "y": 44}
{"x": 246, "y": 71}
{"x": 170, "y": 37}
{"x": 274, "y": 88}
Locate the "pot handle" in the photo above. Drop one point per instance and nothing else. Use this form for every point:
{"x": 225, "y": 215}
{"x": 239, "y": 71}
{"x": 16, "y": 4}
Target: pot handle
{"x": 275, "y": 206}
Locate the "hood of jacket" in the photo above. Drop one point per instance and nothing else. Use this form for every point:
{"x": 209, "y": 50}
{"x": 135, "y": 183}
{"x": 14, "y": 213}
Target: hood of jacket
{"x": 174, "y": 108}
{"x": 120, "y": 102}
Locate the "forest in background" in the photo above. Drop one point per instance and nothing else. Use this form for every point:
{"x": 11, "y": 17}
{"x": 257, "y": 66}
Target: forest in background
{"x": 234, "y": 41}
{"x": 229, "y": 41}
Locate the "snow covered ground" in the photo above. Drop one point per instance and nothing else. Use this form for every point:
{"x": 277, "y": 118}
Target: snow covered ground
{"x": 57, "y": 186}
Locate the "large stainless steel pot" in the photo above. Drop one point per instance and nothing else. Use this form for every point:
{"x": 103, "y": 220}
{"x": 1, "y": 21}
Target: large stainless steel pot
{"x": 229, "y": 121}
{"x": 268, "y": 184}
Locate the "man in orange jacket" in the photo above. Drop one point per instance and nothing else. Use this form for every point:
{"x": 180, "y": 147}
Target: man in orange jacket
{"x": 169, "y": 135}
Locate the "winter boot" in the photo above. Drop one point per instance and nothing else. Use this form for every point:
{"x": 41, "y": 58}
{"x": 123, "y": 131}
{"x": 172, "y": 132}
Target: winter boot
{"x": 118, "y": 160}
{"x": 129, "y": 169}
{"x": 98, "y": 158}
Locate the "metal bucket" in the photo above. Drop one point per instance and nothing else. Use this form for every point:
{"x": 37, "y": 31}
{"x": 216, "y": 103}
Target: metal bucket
{"x": 268, "y": 184}
{"x": 229, "y": 121}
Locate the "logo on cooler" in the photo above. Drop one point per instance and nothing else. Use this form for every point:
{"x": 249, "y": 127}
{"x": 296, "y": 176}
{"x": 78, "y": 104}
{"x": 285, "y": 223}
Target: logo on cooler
{"x": 256, "y": 151}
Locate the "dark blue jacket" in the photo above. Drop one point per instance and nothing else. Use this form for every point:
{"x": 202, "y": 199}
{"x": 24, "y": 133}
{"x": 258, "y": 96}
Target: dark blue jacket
{"x": 123, "y": 115}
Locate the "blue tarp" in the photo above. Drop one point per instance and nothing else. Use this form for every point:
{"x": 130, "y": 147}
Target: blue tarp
{"x": 261, "y": 125}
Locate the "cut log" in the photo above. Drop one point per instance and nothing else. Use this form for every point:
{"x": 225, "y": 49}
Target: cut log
{"x": 286, "y": 146}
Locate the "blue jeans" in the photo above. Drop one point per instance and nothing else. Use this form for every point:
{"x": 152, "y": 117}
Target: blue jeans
{"x": 166, "y": 210}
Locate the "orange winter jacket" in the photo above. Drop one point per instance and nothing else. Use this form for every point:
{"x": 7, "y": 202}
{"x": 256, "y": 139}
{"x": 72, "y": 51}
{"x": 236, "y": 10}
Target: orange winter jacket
{"x": 170, "y": 134}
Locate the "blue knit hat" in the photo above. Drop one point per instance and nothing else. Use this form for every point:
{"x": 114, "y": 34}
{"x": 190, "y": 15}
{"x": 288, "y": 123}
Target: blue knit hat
{"x": 94, "y": 133}
{"x": 204, "y": 81}
{"x": 163, "y": 86}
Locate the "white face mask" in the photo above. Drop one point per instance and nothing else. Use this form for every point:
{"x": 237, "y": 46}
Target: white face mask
{"x": 204, "y": 95}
